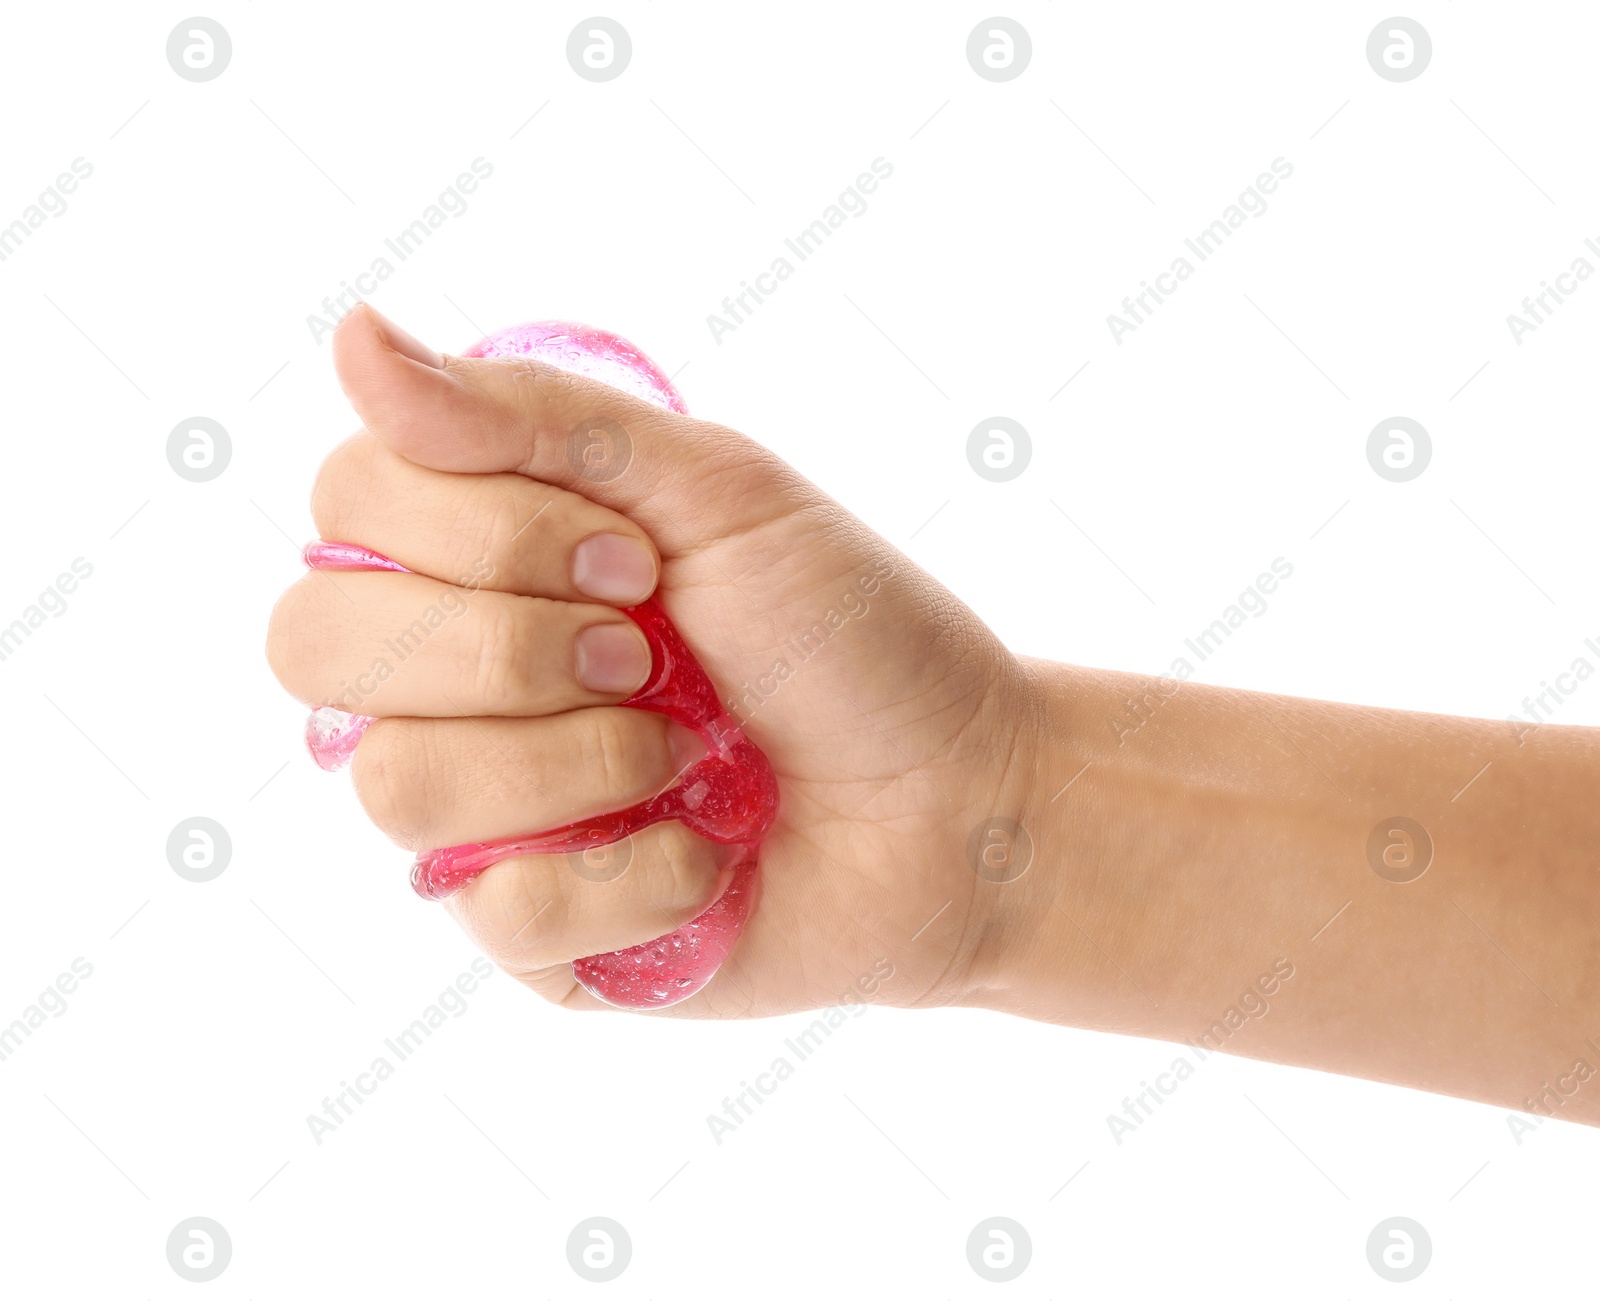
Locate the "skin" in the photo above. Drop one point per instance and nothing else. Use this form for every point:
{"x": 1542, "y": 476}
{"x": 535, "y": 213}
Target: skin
{"x": 1170, "y": 867}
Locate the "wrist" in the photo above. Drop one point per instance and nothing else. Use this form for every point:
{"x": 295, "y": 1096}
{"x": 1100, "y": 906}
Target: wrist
{"x": 1090, "y": 934}
{"x": 1030, "y": 961}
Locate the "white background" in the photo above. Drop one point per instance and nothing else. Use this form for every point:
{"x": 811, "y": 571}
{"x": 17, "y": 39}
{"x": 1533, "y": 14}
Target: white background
{"x": 179, "y": 282}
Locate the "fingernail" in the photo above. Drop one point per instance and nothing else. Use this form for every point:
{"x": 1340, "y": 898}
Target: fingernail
{"x": 613, "y": 657}
{"x": 615, "y": 568}
{"x": 405, "y": 344}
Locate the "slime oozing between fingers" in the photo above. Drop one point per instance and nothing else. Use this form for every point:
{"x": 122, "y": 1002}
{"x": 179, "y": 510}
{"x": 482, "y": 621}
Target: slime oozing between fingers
{"x": 728, "y": 797}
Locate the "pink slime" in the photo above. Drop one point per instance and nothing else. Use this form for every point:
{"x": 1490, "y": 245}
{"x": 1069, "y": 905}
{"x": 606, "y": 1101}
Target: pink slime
{"x": 730, "y": 797}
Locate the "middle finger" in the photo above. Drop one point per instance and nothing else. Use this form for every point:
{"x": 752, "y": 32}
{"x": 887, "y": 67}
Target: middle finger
{"x": 388, "y": 644}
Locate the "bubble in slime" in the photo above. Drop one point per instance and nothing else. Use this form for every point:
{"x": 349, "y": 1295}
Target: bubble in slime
{"x": 730, "y": 797}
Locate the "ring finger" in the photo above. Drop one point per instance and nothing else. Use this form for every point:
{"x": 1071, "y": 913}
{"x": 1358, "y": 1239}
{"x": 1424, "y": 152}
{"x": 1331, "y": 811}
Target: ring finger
{"x": 427, "y": 782}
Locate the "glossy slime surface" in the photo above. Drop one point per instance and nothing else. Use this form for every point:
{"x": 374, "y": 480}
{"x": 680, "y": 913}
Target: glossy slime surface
{"x": 729, "y": 797}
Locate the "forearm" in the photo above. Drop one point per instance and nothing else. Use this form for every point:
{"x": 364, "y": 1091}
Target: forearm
{"x": 1219, "y": 839}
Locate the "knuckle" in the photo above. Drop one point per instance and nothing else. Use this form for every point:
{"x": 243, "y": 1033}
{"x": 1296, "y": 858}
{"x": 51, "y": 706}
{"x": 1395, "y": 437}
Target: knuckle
{"x": 506, "y": 671}
{"x": 515, "y": 915}
{"x": 560, "y": 401}
{"x": 541, "y": 395}
{"x": 625, "y": 751}
{"x": 548, "y": 392}
{"x": 390, "y": 772}
{"x": 501, "y": 515}
{"x": 557, "y": 987}
{"x": 291, "y": 636}
{"x": 734, "y": 461}
{"x": 339, "y": 486}
{"x": 682, "y": 872}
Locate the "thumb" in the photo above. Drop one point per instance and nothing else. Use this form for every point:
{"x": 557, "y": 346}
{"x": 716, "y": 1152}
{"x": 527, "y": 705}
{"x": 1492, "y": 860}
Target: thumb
{"x": 488, "y": 415}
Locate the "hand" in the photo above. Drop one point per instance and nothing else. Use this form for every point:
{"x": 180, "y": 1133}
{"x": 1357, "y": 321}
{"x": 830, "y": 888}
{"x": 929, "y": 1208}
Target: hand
{"x": 893, "y": 718}
{"x": 1209, "y": 877}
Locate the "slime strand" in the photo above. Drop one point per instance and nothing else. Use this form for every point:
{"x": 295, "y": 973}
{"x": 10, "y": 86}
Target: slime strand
{"x": 730, "y": 797}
